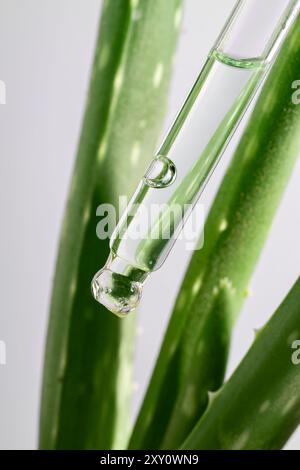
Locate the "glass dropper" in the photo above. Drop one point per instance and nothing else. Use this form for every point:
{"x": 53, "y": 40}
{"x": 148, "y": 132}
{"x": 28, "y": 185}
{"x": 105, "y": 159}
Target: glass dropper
{"x": 175, "y": 179}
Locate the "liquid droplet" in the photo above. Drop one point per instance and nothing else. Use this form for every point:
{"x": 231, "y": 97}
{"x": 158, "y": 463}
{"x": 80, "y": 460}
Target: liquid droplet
{"x": 161, "y": 173}
{"x": 118, "y": 293}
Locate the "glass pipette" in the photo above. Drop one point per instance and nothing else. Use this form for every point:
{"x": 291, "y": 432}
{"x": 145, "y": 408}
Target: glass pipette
{"x": 235, "y": 68}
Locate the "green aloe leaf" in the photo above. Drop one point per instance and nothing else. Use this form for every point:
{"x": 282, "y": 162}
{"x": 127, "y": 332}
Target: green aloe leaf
{"x": 259, "y": 407}
{"x": 193, "y": 356}
{"x": 87, "y": 375}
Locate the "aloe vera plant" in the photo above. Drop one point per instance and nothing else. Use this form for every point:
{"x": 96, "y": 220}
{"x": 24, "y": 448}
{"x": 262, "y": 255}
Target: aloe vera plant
{"x": 87, "y": 375}
{"x": 216, "y": 281}
{"x": 87, "y": 378}
{"x": 259, "y": 407}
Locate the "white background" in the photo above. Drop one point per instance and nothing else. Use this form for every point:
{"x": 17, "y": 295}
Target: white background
{"x": 45, "y": 56}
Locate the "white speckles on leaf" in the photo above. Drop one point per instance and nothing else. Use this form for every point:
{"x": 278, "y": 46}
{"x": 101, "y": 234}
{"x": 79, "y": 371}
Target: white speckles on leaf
{"x": 226, "y": 283}
{"x": 135, "y": 153}
{"x": 158, "y": 74}
{"x": 102, "y": 150}
{"x": 189, "y": 403}
{"x": 215, "y": 290}
{"x": 264, "y": 406}
{"x": 118, "y": 80}
{"x": 197, "y": 286}
{"x": 103, "y": 57}
{"x": 86, "y": 215}
{"x": 289, "y": 405}
{"x": 54, "y": 433}
{"x": 73, "y": 287}
{"x": 177, "y": 17}
{"x": 148, "y": 419}
{"x": 136, "y": 15}
{"x": 134, "y": 3}
{"x": 241, "y": 441}
{"x": 181, "y": 300}
{"x": 248, "y": 292}
{"x": 62, "y": 366}
{"x": 172, "y": 348}
{"x": 223, "y": 225}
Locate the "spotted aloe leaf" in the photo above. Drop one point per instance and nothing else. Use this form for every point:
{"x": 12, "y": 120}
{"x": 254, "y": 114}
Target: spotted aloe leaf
{"x": 259, "y": 407}
{"x": 194, "y": 352}
{"x": 87, "y": 374}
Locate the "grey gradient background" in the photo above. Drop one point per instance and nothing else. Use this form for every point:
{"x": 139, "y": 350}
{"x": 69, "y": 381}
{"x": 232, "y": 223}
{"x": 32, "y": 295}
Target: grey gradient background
{"x": 45, "y": 55}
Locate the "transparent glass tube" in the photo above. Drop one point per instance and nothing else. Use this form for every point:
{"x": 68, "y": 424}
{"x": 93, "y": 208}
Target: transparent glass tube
{"x": 183, "y": 164}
